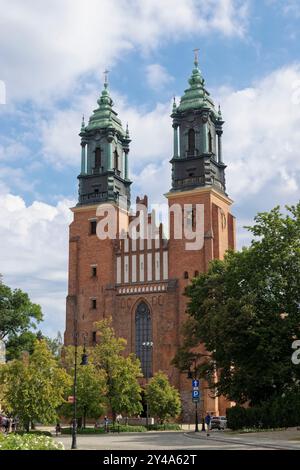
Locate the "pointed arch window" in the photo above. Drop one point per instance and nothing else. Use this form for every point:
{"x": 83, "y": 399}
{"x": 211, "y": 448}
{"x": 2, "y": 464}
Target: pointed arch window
{"x": 143, "y": 338}
{"x": 97, "y": 159}
{"x": 191, "y": 142}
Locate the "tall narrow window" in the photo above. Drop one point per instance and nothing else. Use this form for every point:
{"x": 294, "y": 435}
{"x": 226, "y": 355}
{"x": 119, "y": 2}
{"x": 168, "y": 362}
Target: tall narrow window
{"x": 97, "y": 159}
{"x": 93, "y": 227}
{"x": 210, "y": 149}
{"x": 143, "y": 338}
{"x": 116, "y": 160}
{"x": 191, "y": 142}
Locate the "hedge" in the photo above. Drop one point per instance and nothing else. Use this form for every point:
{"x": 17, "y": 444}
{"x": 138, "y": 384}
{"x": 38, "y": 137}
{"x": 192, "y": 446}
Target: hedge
{"x": 281, "y": 412}
{"x": 112, "y": 428}
{"x": 164, "y": 427}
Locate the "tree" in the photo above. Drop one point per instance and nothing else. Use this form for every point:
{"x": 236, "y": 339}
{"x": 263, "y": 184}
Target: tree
{"x": 246, "y": 311}
{"x": 91, "y": 388}
{"x": 163, "y": 399}
{"x": 17, "y": 312}
{"x": 34, "y": 387}
{"x": 17, "y": 344}
{"x": 123, "y": 389}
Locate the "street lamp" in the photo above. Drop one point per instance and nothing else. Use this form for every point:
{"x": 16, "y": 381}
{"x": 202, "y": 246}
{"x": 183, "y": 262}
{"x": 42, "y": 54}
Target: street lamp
{"x": 147, "y": 344}
{"x": 84, "y": 362}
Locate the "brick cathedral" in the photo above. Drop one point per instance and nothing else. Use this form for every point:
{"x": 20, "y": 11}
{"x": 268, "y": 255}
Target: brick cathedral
{"x": 139, "y": 281}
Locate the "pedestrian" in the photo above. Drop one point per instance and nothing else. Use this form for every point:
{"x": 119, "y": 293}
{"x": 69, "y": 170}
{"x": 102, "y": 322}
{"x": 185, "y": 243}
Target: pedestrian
{"x": 13, "y": 425}
{"x": 57, "y": 429}
{"x": 119, "y": 418}
{"x": 207, "y": 422}
{"x": 7, "y": 425}
{"x": 106, "y": 423}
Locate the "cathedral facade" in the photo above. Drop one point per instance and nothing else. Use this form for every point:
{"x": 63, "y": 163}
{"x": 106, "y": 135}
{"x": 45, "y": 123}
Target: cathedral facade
{"x": 135, "y": 274}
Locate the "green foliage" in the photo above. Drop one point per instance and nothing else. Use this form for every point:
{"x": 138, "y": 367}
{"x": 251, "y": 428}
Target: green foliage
{"x": 164, "y": 427}
{"x": 246, "y": 310}
{"x": 34, "y": 387}
{"x": 281, "y": 411}
{"x": 17, "y": 343}
{"x": 84, "y": 430}
{"x": 115, "y": 428}
{"x": 36, "y": 432}
{"x": 17, "y": 312}
{"x": 126, "y": 428}
{"x": 28, "y": 442}
{"x": 163, "y": 399}
{"x": 123, "y": 389}
{"x": 91, "y": 389}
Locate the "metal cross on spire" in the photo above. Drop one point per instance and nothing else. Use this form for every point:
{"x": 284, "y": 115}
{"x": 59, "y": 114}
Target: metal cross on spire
{"x": 196, "y": 58}
{"x": 106, "y": 72}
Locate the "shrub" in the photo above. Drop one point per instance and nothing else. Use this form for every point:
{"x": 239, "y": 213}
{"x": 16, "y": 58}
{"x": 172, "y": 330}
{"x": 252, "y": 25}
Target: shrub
{"x": 280, "y": 412}
{"x": 164, "y": 427}
{"x": 112, "y": 428}
{"x": 35, "y": 432}
{"x": 28, "y": 442}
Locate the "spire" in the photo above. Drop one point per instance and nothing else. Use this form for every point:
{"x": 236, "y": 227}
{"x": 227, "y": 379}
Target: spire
{"x": 174, "y": 105}
{"x": 82, "y": 123}
{"x": 196, "y": 61}
{"x": 219, "y": 113}
{"x": 127, "y": 132}
{"x": 105, "y": 117}
{"x": 106, "y": 72}
{"x": 196, "y": 96}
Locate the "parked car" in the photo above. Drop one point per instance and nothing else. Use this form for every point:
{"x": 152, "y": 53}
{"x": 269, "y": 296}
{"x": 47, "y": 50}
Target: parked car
{"x": 218, "y": 422}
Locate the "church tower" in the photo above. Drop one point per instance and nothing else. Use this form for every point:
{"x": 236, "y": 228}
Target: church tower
{"x": 104, "y": 156}
{"x": 103, "y": 182}
{"x": 198, "y": 184}
{"x": 197, "y": 158}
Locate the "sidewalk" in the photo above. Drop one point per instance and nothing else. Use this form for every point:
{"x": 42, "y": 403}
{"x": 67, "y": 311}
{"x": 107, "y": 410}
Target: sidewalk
{"x": 286, "y": 439}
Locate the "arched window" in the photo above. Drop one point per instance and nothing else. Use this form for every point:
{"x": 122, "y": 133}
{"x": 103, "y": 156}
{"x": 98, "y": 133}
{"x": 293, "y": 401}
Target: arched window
{"x": 185, "y": 275}
{"x": 116, "y": 160}
{"x": 97, "y": 159}
{"x": 143, "y": 338}
{"x": 191, "y": 142}
{"x": 210, "y": 148}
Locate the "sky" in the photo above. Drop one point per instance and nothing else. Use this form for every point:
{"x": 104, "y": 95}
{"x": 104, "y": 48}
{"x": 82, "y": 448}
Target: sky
{"x": 52, "y": 58}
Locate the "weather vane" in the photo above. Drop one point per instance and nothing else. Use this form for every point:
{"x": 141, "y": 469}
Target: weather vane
{"x": 106, "y": 72}
{"x": 196, "y": 58}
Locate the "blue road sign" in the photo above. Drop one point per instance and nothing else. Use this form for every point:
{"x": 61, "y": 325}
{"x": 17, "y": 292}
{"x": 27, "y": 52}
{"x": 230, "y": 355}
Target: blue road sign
{"x": 195, "y": 383}
{"x": 195, "y": 394}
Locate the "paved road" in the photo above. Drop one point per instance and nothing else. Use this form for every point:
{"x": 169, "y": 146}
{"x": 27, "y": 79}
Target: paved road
{"x": 168, "y": 441}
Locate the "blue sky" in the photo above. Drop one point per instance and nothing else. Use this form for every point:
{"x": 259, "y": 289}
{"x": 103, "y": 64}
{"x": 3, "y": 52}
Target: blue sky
{"x": 52, "y": 59}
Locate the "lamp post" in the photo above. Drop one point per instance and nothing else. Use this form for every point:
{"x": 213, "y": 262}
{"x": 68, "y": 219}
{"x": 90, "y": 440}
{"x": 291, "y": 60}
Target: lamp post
{"x": 84, "y": 362}
{"x": 147, "y": 344}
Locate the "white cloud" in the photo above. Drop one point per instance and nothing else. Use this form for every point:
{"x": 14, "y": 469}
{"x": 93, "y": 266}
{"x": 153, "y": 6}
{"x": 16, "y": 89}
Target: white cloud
{"x": 150, "y": 131}
{"x": 34, "y": 251}
{"x": 261, "y": 135}
{"x": 157, "y": 76}
{"x": 52, "y": 43}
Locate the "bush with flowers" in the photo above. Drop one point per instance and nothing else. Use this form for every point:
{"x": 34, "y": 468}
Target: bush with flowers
{"x": 28, "y": 442}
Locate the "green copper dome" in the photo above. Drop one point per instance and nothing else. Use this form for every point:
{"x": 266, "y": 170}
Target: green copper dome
{"x": 196, "y": 96}
{"x": 104, "y": 117}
